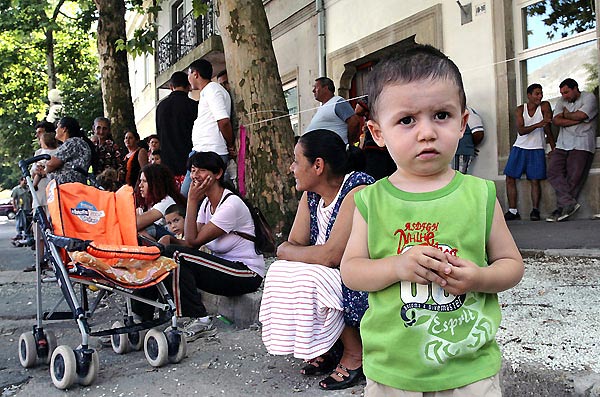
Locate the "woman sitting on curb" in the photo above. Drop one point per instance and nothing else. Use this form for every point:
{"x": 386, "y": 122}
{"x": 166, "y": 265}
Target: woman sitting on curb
{"x": 215, "y": 214}
{"x": 306, "y": 277}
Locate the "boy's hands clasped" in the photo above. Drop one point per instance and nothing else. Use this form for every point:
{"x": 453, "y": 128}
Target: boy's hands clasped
{"x": 423, "y": 264}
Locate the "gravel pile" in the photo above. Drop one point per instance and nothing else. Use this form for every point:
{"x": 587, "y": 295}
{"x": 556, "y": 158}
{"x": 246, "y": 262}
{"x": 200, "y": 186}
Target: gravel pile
{"x": 552, "y": 317}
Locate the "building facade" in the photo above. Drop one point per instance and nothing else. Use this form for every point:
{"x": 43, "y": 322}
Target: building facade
{"x": 501, "y": 46}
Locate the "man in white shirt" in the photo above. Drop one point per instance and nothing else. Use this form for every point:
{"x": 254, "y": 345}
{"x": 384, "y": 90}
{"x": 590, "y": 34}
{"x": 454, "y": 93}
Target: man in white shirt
{"x": 212, "y": 130}
{"x": 570, "y": 162}
{"x": 335, "y": 113}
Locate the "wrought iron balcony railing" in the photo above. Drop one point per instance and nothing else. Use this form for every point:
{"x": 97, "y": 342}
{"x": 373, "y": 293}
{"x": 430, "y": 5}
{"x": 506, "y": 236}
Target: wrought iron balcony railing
{"x": 184, "y": 37}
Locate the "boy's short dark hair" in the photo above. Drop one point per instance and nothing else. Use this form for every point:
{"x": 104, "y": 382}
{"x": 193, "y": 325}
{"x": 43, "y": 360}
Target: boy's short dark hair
{"x": 203, "y": 67}
{"x": 572, "y": 84}
{"x": 176, "y": 208}
{"x": 222, "y": 73}
{"x": 156, "y": 152}
{"x": 418, "y": 62}
{"x": 533, "y": 87}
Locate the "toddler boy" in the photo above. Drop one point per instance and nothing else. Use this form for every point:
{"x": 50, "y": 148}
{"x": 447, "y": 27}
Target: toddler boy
{"x": 429, "y": 244}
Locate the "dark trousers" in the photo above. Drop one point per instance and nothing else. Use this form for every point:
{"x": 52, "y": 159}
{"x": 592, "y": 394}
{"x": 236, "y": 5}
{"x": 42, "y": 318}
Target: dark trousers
{"x": 200, "y": 271}
{"x": 567, "y": 172}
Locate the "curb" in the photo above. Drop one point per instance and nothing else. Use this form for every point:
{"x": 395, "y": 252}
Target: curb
{"x": 573, "y": 252}
{"x": 241, "y": 310}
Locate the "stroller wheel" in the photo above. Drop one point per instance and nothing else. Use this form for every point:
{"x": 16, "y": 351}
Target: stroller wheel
{"x": 27, "y": 350}
{"x": 177, "y": 345}
{"x": 63, "y": 367}
{"x": 119, "y": 342}
{"x": 51, "y": 339}
{"x": 136, "y": 340}
{"x": 156, "y": 348}
{"x": 92, "y": 372}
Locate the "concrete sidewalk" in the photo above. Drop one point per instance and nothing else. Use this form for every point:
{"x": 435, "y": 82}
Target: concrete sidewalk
{"x": 574, "y": 238}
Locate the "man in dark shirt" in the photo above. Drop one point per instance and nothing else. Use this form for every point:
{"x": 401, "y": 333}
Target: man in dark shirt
{"x": 175, "y": 117}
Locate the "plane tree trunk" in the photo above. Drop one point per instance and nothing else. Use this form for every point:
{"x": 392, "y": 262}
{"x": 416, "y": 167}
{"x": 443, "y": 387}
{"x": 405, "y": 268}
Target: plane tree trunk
{"x": 259, "y": 104}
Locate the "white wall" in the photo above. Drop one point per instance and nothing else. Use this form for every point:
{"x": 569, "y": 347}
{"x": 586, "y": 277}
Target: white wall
{"x": 142, "y": 81}
{"x": 296, "y": 53}
{"x": 470, "y": 46}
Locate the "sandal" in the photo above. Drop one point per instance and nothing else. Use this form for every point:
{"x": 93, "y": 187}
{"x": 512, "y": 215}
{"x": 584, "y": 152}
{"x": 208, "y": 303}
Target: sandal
{"x": 315, "y": 366}
{"x": 353, "y": 377}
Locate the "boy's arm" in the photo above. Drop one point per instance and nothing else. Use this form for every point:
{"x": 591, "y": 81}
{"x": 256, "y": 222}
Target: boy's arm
{"x": 420, "y": 264}
{"x": 505, "y": 268}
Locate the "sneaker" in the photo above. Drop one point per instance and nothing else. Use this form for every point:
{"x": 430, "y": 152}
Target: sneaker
{"x": 568, "y": 211}
{"x": 509, "y": 216}
{"x": 554, "y": 216}
{"x": 596, "y": 216}
{"x": 534, "y": 215}
{"x": 198, "y": 329}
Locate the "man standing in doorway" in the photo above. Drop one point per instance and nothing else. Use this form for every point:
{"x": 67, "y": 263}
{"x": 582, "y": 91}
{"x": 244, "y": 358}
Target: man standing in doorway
{"x": 212, "y": 130}
{"x": 175, "y": 116}
{"x": 570, "y": 162}
{"x": 335, "y": 113}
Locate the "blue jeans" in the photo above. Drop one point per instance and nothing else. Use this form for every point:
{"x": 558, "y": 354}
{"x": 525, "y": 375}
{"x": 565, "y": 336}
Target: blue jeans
{"x": 187, "y": 181}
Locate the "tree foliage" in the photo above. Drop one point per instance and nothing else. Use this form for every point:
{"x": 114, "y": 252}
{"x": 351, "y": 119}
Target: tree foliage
{"x": 564, "y": 17}
{"x": 25, "y": 26}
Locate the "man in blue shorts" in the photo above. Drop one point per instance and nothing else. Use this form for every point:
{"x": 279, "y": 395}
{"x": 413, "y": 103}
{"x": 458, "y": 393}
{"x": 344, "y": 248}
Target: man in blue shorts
{"x": 527, "y": 154}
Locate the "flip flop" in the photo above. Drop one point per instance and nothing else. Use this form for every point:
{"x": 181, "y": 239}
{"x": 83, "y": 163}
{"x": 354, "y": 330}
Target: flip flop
{"x": 319, "y": 367}
{"x": 353, "y": 377}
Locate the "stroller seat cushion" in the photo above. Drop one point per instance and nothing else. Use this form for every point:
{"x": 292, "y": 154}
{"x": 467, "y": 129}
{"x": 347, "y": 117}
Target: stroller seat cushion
{"x": 128, "y": 271}
{"x": 110, "y": 251}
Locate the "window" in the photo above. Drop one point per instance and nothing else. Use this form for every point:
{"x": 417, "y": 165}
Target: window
{"x": 290, "y": 92}
{"x": 148, "y": 69}
{"x": 177, "y": 16}
{"x": 578, "y": 62}
{"x": 550, "y": 21}
{"x": 177, "y": 13}
{"x": 556, "y": 40}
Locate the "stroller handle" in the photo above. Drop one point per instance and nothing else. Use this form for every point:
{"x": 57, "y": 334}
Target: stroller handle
{"x": 24, "y": 164}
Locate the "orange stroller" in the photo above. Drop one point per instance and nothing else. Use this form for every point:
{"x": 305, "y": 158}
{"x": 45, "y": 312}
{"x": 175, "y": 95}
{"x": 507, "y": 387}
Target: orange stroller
{"x": 91, "y": 242}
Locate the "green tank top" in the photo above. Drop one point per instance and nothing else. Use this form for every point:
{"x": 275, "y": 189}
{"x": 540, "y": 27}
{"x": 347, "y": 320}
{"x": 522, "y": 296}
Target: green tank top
{"x": 418, "y": 337}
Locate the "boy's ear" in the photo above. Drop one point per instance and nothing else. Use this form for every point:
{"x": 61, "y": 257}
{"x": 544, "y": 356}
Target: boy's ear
{"x": 376, "y": 132}
{"x": 464, "y": 120}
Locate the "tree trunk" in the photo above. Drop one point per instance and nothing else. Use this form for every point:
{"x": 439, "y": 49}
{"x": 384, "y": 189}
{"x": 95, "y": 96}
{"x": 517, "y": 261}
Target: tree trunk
{"x": 116, "y": 91}
{"x": 49, "y": 45}
{"x": 254, "y": 77}
{"x": 50, "y": 59}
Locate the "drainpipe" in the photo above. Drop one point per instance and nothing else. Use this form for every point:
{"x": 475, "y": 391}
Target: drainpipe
{"x": 320, "y": 4}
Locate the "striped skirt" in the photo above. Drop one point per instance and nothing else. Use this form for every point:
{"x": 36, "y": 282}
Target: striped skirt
{"x": 301, "y": 310}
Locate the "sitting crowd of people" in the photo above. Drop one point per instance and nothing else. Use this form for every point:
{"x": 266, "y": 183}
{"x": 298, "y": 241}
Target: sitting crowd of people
{"x": 373, "y": 275}
{"x": 206, "y": 233}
